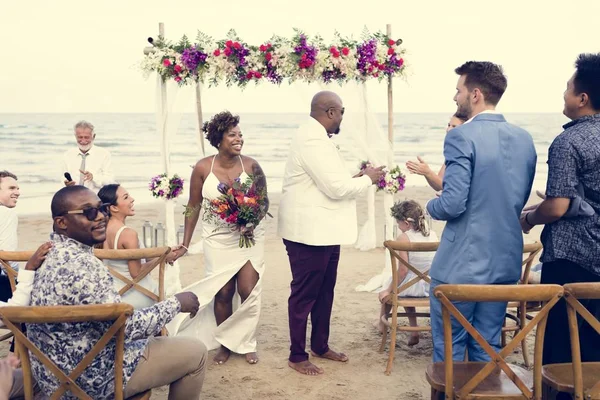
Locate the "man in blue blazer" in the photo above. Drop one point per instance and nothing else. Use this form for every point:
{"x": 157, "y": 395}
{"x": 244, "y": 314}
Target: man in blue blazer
{"x": 490, "y": 166}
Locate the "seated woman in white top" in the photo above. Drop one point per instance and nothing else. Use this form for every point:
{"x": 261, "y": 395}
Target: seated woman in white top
{"x": 411, "y": 221}
{"x": 120, "y": 236}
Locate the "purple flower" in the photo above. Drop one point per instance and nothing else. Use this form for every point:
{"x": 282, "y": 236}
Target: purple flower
{"x": 367, "y": 56}
{"x": 192, "y": 58}
{"x": 307, "y": 53}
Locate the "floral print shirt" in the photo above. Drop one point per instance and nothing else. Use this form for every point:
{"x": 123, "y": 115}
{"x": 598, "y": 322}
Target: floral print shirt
{"x": 72, "y": 275}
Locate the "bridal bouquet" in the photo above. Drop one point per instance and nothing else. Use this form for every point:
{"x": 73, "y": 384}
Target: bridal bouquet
{"x": 392, "y": 182}
{"x": 241, "y": 207}
{"x": 168, "y": 188}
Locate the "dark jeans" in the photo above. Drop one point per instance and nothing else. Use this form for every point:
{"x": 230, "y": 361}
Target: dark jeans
{"x": 314, "y": 273}
{"x": 5, "y": 290}
{"x": 5, "y": 294}
{"x": 557, "y": 347}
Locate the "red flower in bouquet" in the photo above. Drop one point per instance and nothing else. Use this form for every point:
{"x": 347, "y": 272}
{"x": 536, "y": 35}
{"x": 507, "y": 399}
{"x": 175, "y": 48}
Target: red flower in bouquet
{"x": 241, "y": 207}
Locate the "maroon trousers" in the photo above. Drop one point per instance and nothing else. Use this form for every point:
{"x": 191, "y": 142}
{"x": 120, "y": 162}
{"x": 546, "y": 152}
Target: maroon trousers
{"x": 314, "y": 272}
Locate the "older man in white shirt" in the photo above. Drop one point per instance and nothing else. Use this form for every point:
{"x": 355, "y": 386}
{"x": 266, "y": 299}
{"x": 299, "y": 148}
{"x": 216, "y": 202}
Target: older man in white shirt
{"x": 87, "y": 165}
{"x": 317, "y": 214}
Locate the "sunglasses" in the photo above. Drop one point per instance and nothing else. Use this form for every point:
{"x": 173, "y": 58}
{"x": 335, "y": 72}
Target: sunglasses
{"x": 91, "y": 213}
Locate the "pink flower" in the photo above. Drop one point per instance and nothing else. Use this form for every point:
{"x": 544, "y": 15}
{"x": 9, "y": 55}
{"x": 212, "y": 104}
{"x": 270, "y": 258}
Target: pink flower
{"x": 177, "y": 68}
{"x": 345, "y": 51}
{"x": 268, "y": 56}
{"x": 237, "y": 46}
{"x": 257, "y": 75}
{"x": 390, "y": 51}
{"x": 391, "y": 42}
{"x": 166, "y": 62}
{"x": 227, "y": 51}
{"x": 217, "y": 52}
{"x": 177, "y": 79}
{"x": 263, "y": 48}
{"x": 229, "y": 43}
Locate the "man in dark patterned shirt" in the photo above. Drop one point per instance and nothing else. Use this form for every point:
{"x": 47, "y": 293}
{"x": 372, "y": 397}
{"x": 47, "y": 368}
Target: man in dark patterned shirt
{"x": 572, "y": 245}
{"x": 72, "y": 275}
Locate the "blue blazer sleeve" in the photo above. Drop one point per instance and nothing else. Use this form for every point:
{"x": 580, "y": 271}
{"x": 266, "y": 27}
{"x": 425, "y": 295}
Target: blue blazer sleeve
{"x": 457, "y": 178}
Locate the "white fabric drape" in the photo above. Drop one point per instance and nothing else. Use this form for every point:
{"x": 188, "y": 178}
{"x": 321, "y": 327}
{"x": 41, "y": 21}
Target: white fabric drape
{"x": 167, "y": 123}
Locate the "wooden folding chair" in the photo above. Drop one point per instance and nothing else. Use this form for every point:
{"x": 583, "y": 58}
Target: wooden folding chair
{"x": 494, "y": 379}
{"x": 119, "y": 312}
{"x": 159, "y": 254}
{"x": 394, "y": 247}
{"x": 531, "y": 250}
{"x": 581, "y": 379}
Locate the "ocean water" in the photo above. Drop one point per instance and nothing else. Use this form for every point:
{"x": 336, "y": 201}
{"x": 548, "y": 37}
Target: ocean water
{"x": 32, "y": 145}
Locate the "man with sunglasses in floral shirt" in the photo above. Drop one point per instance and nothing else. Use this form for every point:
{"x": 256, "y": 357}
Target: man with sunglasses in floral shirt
{"x": 72, "y": 275}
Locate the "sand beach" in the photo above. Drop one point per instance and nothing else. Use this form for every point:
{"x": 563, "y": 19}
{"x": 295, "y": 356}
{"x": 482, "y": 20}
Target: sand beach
{"x": 351, "y": 328}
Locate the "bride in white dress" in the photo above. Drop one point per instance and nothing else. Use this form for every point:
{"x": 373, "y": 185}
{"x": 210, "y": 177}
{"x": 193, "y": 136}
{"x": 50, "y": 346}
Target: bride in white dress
{"x": 230, "y": 293}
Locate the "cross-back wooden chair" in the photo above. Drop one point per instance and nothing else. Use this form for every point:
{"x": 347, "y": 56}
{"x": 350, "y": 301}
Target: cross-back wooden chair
{"x": 581, "y": 379}
{"x": 394, "y": 247}
{"x": 159, "y": 254}
{"x": 5, "y": 258}
{"x": 119, "y": 312}
{"x": 530, "y": 251}
{"x": 494, "y": 379}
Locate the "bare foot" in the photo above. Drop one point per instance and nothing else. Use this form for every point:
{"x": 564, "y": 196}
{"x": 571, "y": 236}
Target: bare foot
{"x": 414, "y": 339}
{"x": 306, "y": 368}
{"x": 222, "y": 355}
{"x": 332, "y": 355}
{"x": 252, "y": 358}
{"x": 377, "y": 324}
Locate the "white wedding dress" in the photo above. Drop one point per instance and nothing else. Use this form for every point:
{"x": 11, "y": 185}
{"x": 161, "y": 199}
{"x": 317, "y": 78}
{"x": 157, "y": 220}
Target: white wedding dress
{"x": 223, "y": 258}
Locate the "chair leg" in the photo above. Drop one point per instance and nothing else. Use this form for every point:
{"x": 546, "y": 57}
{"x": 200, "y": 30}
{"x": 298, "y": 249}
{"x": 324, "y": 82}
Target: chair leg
{"x": 393, "y": 329}
{"x": 383, "y": 339}
{"x": 523, "y": 321}
{"x": 503, "y": 343}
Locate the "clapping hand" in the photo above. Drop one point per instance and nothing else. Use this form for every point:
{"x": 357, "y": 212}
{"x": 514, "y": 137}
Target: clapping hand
{"x": 419, "y": 167}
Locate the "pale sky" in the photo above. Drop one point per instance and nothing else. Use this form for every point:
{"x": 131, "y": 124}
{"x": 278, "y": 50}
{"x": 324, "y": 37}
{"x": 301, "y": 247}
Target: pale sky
{"x": 80, "y": 56}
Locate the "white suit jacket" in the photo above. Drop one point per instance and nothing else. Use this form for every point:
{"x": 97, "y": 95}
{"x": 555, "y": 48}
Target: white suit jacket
{"x": 318, "y": 204}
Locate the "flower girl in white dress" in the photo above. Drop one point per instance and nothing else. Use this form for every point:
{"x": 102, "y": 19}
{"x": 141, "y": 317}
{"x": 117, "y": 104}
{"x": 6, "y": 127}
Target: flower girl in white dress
{"x": 411, "y": 221}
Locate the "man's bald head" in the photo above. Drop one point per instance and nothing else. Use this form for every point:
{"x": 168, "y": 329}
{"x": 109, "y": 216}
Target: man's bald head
{"x": 325, "y": 100}
{"x": 327, "y": 108}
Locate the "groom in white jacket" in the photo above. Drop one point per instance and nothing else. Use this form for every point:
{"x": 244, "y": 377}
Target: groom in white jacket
{"x": 317, "y": 214}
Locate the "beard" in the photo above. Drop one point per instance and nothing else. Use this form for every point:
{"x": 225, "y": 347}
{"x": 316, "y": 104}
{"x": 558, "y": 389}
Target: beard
{"x": 464, "y": 109}
{"x": 85, "y": 148}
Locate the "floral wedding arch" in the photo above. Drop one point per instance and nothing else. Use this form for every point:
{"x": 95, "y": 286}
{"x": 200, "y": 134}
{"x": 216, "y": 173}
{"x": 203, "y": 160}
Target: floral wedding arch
{"x": 234, "y": 62}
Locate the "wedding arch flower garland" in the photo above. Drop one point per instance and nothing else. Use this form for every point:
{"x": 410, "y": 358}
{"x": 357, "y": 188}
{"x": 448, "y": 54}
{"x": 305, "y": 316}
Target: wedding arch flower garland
{"x": 232, "y": 60}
